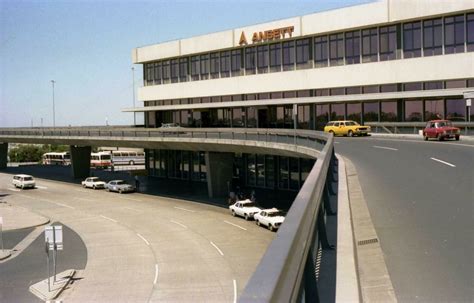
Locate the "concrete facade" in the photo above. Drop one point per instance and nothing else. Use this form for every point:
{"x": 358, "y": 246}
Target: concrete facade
{"x": 80, "y": 161}
{"x": 3, "y": 155}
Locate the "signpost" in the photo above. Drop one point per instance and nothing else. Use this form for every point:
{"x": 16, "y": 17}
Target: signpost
{"x": 53, "y": 241}
{"x": 468, "y": 105}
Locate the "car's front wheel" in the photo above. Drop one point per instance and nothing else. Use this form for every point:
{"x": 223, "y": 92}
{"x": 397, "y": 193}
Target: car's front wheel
{"x": 233, "y": 213}
{"x": 271, "y": 228}
{"x": 457, "y": 138}
{"x": 440, "y": 138}
{"x": 257, "y": 222}
{"x": 425, "y": 136}
{"x": 350, "y": 133}
{"x": 120, "y": 191}
{"x": 246, "y": 217}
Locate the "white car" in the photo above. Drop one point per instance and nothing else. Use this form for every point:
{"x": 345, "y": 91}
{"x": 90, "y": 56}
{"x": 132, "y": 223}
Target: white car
{"x": 244, "y": 208}
{"x": 23, "y": 181}
{"x": 271, "y": 218}
{"x": 93, "y": 182}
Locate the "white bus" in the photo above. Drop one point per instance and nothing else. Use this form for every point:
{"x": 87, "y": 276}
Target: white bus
{"x": 57, "y": 158}
{"x": 124, "y": 157}
{"x": 101, "y": 160}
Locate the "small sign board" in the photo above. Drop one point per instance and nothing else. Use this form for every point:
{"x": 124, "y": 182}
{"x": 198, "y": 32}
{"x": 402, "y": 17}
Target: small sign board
{"x": 54, "y": 235}
{"x": 468, "y": 102}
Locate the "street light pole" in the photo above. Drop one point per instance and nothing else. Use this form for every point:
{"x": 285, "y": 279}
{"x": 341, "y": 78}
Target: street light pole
{"x": 54, "y": 111}
{"x": 133, "y": 91}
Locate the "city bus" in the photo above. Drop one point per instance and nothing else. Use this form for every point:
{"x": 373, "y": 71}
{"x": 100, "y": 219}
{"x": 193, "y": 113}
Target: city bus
{"x": 125, "y": 157}
{"x": 57, "y": 158}
{"x": 101, "y": 160}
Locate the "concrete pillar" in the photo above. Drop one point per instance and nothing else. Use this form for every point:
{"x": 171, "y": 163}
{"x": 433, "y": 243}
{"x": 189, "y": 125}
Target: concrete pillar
{"x": 219, "y": 173}
{"x": 3, "y": 155}
{"x": 80, "y": 161}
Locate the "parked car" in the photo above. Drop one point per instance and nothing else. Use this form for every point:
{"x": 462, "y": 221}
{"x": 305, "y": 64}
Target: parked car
{"x": 441, "y": 129}
{"x": 271, "y": 218}
{"x": 93, "y": 182}
{"x": 119, "y": 186}
{"x": 24, "y": 181}
{"x": 244, "y": 208}
{"x": 346, "y": 128}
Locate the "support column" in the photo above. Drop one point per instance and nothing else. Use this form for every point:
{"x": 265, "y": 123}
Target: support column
{"x": 80, "y": 161}
{"x": 3, "y": 155}
{"x": 219, "y": 173}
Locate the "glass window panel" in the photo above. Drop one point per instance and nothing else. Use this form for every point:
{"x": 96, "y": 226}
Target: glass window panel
{"x": 371, "y": 111}
{"x": 183, "y": 69}
{"x": 174, "y": 71}
{"x": 195, "y": 68}
{"x": 251, "y": 170}
{"x": 251, "y": 117}
{"x": 433, "y": 85}
{"x": 260, "y": 170}
{"x": 456, "y": 109}
{"x": 337, "y": 91}
{"x": 455, "y": 83}
{"x": 237, "y": 117}
{"x": 184, "y": 118}
{"x": 250, "y": 60}
{"x": 294, "y": 173}
{"x": 225, "y": 64}
{"x": 432, "y": 37}
{"x": 322, "y": 115}
{"x": 388, "y": 111}
{"x": 202, "y": 167}
{"x": 354, "y": 112}
{"x": 352, "y": 41}
{"x": 370, "y": 89}
{"x": 283, "y": 174}
{"x": 269, "y": 171}
{"x": 236, "y": 63}
{"x": 275, "y": 57}
{"x": 413, "y": 86}
{"x": 214, "y": 65}
{"x": 470, "y": 82}
{"x": 304, "y": 116}
{"x": 388, "y": 88}
{"x": 288, "y": 55}
{"x": 321, "y": 51}
{"x": 204, "y": 67}
{"x": 338, "y": 111}
{"x": 414, "y": 110}
{"x": 158, "y": 73}
{"x": 388, "y": 42}
{"x": 303, "y": 53}
{"x": 336, "y": 49}
{"x": 321, "y": 92}
{"x": 262, "y": 59}
{"x": 412, "y": 39}
{"x": 454, "y": 34}
{"x": 470, "y": 32}
{"x": 304, "y": 93}
{"x": 434, "y": 109}
{"x": 369, "y": 45}
{"x": 166, "y": 71}
{"x": 353, "y": 90}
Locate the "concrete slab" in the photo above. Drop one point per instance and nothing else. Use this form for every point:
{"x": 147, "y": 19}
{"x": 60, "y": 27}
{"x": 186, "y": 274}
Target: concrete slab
{"x": 5, "y": 254}
{"x": 41, "y": 290}
{"x": 15, "y": 217}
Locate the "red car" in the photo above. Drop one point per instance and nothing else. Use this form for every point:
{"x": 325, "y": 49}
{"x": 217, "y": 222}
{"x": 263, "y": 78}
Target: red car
{"x": 441, "y": 129}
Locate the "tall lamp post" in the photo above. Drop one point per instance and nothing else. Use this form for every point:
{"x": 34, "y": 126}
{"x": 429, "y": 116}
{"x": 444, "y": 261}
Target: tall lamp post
{"x": 54, "y": 112}
{"x": 133, "y": 96}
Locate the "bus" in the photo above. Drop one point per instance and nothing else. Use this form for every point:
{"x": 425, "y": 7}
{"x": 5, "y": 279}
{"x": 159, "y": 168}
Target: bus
{"x": 57, "y": 158}
{"x": 101, "y": 160}
{"x": 124, "y": 157}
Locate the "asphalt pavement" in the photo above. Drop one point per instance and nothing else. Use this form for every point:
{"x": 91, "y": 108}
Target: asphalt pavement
{"x": 420, "y": 197}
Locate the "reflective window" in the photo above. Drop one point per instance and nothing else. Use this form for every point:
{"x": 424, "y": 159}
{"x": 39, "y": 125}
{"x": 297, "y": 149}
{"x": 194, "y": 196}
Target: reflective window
{"x": 183, "y": 69}
{"x": 355, "y": 90}
{"x": 322, "y": 115}
{"x": 455, "y": 84}
{"x": 412, "y": 39}
{"x": 371, "y": 111}
{"x": 238, "y": 117}
{"x": 166, "y": 72}
{"x": 370, "y": 89}
{"x": 388, "y": 111}
{"x": 432, "y": 37}
{"x": 305, "y": 167}
{"x": 225, "y": 64}
{"x": 185, "y": 118}
{"x": 260, "y": 166}
{"x": 149, "y": 76}
{"x": 434, "y": 109}
{"x": 236, "y": 62}
{"x": 251, "y": 117}
{"x": 174, "y": 70}
{"x": 433, "y": 85}
{"x": 352, "y": 40}
{"x": 304, "y": 116}
{"x": 336, "y": 49}
{"x": 195, "y": 68}
{"x": 369, "y": 45}
{"x": 470, "y": 32}
{"x": 454, "y": 34}
{"x": 288, "y": 55}
{"x": 251, "y": 169}
{"x": 321, "y": 92}
{"x": 354, "y": 112}
{"x": 250, "y": 58}
{"x": 204, "y": 67}
{"x": 456, "y": 109}
{"x": 303, "y": 53}
{"x": 283, "y": 174}
{"x": 262, "y": 59}
{"x": 388, "y": 42}
{"x": 338, "y": 111}
{"x": 294, "y": 173}
{"x": 321, "y": 51}
{"x": 214, "y": 65}
{"x": 388, "y": 88}
{"x": 337, "y": 91}
{"x": 270, "y": 171}
{"x": 158, "y": 73}
{"x": 413, "y": 86}
{"x": 275, "y": 57}
{"x": 414, "y": 110}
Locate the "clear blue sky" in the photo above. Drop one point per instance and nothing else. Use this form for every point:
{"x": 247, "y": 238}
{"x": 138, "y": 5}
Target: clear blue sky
{"x": 85, "y": 46}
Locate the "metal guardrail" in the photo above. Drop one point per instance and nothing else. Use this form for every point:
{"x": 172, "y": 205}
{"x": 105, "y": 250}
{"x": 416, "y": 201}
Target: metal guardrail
{"x": 286, "y": 272}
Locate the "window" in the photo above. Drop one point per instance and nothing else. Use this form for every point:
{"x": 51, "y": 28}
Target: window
{"x": 294, "y": 173}
{"x": 355, "y": 90}
{"x": 275, "y": 57}
{"x": 158, "y": 73}
{"x": 388, "y": 112}
{"x": 225, "y": 64}
{"x": 454, "y": 34}
{"x": 371, "y": 111}
{"x": 322, "y": 115}
{"x": 283, "y": 175}
{"x": 336, "y": 49}
{"x": 455, "y": 84}
{"x": 370, "y": 89}
{"x": 321, "y": 51}
{"x": 338, "y": 111}
{"x": 434, "y": 109}
{"x": 352, "y": 41}
{"x": 149, "y": 76}
{"x": 304, "y": 116}
{"x": 354, "y": 112}
{"x": 432, "y": 37}
{"x": 270, "y": 171}
{"x": 183, "y": 69}
{"x": 262, "y": 59}
{"x": 412, "y": 39}
{"x": 470, "y": 32}
{"x": 250, "y": 60}
{"x": 303, "y": 53}
{"x": 238, "y": 117}
{"x": 414, "y": 111}
{"x": 337, "y": 91}
{"x": 369, "y": 45}
{"x": 289, "y": 55}
{"x": 204, "y": 67}
{"x": 236, "y": 62}
{"x": 174, "y": 70}
{"x": 456, "y": 109}
{"x": 433, "y": 85}
{"x": 195, "y": 68}
{"x": 321, "y": 92}
{"x": 388, "y": 42}
{"x": 388, "y": 88}
{"x": 166, "y": 72}
{"x": 413, "y": 86}
{"x": 214, "y": 65}
{"x": 260, "y": 170}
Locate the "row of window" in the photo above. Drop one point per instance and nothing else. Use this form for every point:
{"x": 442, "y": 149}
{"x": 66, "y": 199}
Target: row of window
{"x": 175, "y": 164}
{"x": 368, "y": 89}
{"x": 315, "y": 116}
{"x": 443, "y": 35}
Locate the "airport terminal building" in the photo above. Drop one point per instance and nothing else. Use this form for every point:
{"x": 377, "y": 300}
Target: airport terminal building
{"x": 388, "y": 61}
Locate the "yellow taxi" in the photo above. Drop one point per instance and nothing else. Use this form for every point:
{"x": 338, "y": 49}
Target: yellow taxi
{"x": 346, "y": 128}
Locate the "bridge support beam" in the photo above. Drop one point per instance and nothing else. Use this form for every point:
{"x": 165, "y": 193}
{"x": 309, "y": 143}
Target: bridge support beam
{"x": 219, "y": 173}
{"x": 80, "y": 161}
{"x": 3, "y": 155}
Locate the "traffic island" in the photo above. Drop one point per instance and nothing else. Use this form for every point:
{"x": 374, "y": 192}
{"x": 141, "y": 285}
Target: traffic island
{"x": 45, "y": 293}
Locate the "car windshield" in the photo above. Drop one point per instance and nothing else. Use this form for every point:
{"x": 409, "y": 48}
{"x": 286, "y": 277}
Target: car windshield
{"x": 275, "y": 214}
{"x": 351, "y": 123}
{"x": 27, "y": 178}
{"x": 445, "y": 123}
{"x": 120, "y": 182}
{"x": 248, "y": 205}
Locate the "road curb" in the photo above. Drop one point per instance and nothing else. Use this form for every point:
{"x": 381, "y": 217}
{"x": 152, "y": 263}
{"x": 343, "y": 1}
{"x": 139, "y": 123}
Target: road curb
{"x": 374, "y": 279}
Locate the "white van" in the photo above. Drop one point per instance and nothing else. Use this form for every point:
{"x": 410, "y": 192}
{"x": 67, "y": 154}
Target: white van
{"x": 23, "y": 181}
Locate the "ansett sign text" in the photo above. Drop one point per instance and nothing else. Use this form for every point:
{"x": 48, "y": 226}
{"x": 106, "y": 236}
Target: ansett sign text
{"x": 268, "y": 35}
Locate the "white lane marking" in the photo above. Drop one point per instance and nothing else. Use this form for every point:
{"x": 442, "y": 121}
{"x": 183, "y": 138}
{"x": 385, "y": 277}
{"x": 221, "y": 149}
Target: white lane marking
{"x": 131, "y": 199}
{"x": 147, "y": 243}
{"x": 109, "y": 219}
{"x": 334, "y": 143}
{"x": 234, "y": 225}
{"x": 215, "y": 246}
{"x": 444, "y": 162}
{"x": 235, "y": 291}
{"x": 14, "y": 189}
{"x": 64, "y": 205}
{"x": 420, "y": 141}
{"x": 85, "y": 199}
{"x": 180, "y": 208}
{"x": 156, "y": 274}
{"x": 41, "y": 187}
{"x": 182, "y": 225}
{"x": 383, "y": 147}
